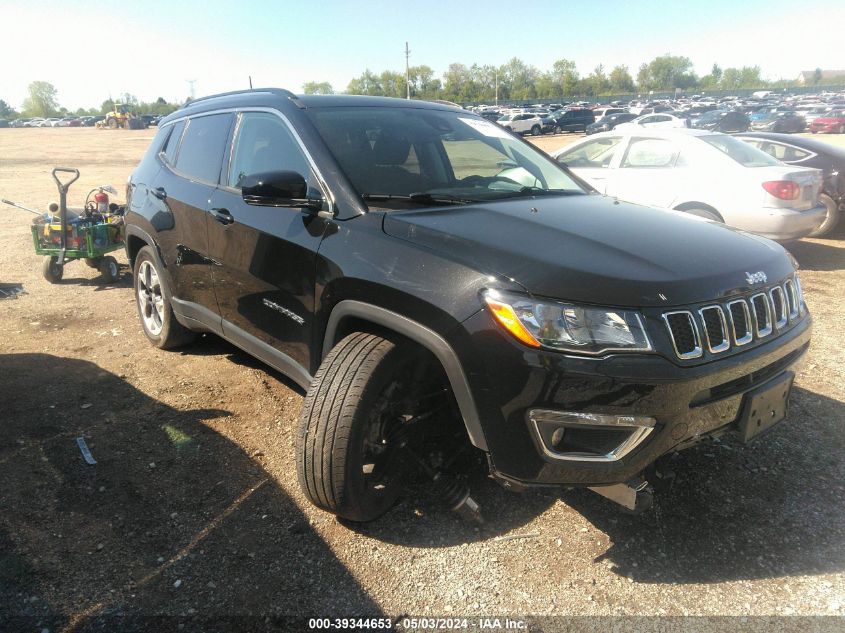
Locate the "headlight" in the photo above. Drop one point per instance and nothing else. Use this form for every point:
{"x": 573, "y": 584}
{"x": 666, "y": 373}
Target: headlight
{"x": 568, "y": 327}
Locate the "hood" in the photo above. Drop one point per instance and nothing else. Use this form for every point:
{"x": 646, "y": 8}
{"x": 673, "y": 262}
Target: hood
{"x": 593, "y": 249}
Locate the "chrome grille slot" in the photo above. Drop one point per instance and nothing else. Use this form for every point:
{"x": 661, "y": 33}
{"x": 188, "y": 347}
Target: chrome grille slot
{"x": 791, "y": 298}
{"x": 684, "y": 333}
{"x": 715, "y": 328}
{"x": 762, "y": 314}
{"x": 800, "y": 295}
{"x": 740, "y": 321}
{"x": 779, "y": 306}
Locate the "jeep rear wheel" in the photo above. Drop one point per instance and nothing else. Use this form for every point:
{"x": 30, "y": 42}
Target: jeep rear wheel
{"x": 356, "y": 422}
{"x": 152, "y": 296}
{"x": 536, "y": 131}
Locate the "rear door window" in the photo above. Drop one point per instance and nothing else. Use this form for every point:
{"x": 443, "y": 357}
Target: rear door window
{"x": 203, "y": 146}
{"x": 650, "y": 153}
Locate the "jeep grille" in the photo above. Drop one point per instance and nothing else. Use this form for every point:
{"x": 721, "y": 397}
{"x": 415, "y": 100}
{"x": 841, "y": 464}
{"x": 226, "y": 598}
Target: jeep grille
{"x": 734, "y": 323}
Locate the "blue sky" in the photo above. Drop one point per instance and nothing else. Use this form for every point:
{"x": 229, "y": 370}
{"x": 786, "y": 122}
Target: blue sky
{"x": 150, "y": 48}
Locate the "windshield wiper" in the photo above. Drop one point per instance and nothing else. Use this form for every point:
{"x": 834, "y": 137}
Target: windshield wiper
{"x": 417, "y": 198}
{"x": 538, "y": 191}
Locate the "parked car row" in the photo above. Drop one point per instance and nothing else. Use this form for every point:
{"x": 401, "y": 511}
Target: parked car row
{"x": 74, "y": 121}
{"x": 763, "y": 112}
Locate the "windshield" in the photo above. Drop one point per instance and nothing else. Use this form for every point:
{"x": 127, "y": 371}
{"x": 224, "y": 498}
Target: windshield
{"x": 403, "y": 156}
{"x": 743, "y": 153}
{"x": 712, "y": 115}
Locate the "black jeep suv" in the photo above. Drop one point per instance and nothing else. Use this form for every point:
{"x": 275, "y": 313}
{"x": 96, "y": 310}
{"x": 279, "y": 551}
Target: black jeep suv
{"x": 430, "y": 278}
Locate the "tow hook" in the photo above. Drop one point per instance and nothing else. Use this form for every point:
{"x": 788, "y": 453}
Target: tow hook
{"x": 636, "y": 495}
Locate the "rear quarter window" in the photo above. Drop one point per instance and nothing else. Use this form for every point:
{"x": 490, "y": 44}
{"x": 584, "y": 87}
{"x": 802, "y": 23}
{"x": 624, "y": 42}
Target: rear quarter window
{"x": 203, "y": 146}
{"x": 168, "y": 152}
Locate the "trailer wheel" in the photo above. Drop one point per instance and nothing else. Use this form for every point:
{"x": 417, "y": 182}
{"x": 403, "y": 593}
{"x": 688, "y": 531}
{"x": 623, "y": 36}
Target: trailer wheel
{"x": 51, "y": 270}
{"x": 109, "y": 269}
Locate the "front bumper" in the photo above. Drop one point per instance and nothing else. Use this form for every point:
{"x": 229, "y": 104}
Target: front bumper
{"x": 686, "y": 402}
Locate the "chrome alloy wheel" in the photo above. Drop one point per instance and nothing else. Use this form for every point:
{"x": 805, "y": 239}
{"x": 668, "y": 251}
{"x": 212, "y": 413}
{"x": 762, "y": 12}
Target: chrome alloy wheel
{"x": 150, "y": 299}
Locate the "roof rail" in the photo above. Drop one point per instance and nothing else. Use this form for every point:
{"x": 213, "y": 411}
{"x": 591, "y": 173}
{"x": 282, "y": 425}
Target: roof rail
{"x": 281, "y": 92}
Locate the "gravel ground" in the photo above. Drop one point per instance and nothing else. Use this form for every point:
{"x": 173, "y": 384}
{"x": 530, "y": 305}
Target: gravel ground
{"x": 193, "y": 513}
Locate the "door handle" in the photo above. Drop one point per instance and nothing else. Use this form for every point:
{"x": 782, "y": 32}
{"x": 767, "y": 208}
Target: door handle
{"x": 223, "y": 216}
{"x": 159, "y": 193}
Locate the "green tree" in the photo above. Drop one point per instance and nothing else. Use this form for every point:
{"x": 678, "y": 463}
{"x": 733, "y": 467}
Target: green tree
{"x": 42, "y": 100}
{"x": 565, "y": 77}
{"x": 7, "y": 111}
{"x": 666, "y": 72}
{"x": 716, "y": 72}
{"x": 597, "y": 83}
{"x": 456, "y": 83}
{"x": 745, "y": 77}
{"x": 366, "y": 84}
{"x": 392, "y": 84}
{"x": 817, "y": 76}
{"x": 424, "y": 85}
{"x": 621, "y": 81}
{"x": 519, "y": 80}
{"x": 317, "y": 88}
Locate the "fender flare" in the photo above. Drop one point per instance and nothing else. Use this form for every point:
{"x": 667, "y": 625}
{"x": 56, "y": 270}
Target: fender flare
{"x": 133, "y": 230}
{"x": 426, "y": 337}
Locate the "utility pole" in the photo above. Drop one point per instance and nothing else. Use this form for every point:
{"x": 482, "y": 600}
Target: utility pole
{"x": 407, "y": 72}
{"x": 191, "y": 83}
{"x": 497, "y": 85}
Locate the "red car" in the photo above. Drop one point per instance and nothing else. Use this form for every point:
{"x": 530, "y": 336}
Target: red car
{"x": 832, "y": 123}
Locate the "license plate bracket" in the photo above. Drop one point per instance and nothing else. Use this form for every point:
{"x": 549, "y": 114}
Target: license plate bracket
{"x": 765, "y": 406}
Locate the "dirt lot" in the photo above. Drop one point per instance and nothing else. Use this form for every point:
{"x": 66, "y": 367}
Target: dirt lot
{"x": 193, "y": 508}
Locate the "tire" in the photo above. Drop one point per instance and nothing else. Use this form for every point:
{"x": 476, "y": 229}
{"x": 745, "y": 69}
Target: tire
{"x": 536, "y": 131}
{"x": 51, "y": 270}
{"x": 93, "y": 262}
{"x": 703, "y": 212}
{"x": 832, "y": 219}
{"x": 113, "y": 124}
{"x": 109, "y": 269}
{"x": 152, "y": 297}
{"x": 338, "y": 422}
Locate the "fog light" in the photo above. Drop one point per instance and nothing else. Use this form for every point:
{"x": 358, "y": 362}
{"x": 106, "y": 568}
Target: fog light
{"x": 596, "y": 437}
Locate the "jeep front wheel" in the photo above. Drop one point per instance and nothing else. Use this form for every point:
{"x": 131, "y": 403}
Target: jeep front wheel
{"x": 352, "y": 431}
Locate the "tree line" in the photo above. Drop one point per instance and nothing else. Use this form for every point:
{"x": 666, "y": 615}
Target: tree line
{"x": 43, "y": 102}
{"x": 518, "y": 81}
{"x": 512, "y": 81}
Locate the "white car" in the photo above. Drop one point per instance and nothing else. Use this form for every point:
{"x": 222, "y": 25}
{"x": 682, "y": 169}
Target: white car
{"x": 656, "y": 120}
{"x": 522, "y": 123}
{"x": 708, "y": 174}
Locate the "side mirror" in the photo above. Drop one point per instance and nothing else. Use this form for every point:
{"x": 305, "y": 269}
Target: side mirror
{"x": 278, "y": 189}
